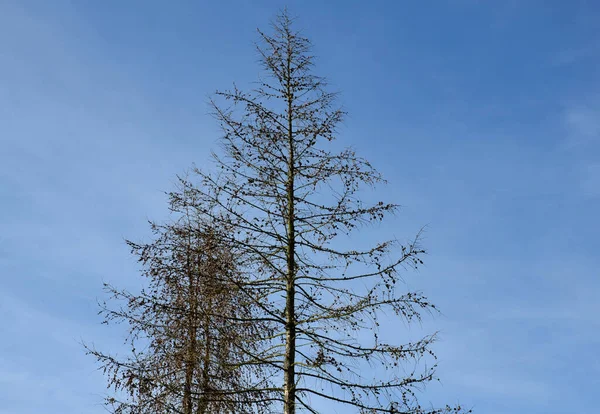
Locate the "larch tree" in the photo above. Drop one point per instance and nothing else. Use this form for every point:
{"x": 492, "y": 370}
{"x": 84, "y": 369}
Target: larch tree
{"x": 289, "y": 199}
{"x": 189, "y": 328}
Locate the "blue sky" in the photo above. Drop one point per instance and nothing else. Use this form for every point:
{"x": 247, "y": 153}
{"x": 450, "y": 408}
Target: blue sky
{"x": 483, "y": 115}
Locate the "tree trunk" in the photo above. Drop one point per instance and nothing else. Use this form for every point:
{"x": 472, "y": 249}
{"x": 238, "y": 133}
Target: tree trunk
{"x": 290, "y": 306}
{"x": 205, "y": 386}
{"x": 191, "y": 351}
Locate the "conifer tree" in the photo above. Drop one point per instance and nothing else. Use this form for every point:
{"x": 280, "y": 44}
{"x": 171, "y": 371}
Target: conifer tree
{"x": 189, "y": 328}
{"x": 289, "y": 199}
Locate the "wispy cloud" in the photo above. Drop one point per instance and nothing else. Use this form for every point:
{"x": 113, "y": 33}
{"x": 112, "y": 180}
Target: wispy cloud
{"x": 582, "y": 125}
{"x": 591, "y": 179}
{"x": 577, "y": 55}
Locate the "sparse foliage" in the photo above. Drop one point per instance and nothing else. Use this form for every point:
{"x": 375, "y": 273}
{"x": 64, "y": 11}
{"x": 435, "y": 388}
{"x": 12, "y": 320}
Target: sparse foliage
{"x": 253, "y": 303}
{"x": 288, "y": 198}
{"x": 189, "y": 329}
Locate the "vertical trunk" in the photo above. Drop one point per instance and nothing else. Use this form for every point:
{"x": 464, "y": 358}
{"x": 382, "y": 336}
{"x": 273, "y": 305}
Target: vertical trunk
{"x": 290, "y": 328}
{"x": 192, "y": 332}
{"x": 189, "y": 374}
{"x": 209, "y": 291}
{"x": 205, "y": 384}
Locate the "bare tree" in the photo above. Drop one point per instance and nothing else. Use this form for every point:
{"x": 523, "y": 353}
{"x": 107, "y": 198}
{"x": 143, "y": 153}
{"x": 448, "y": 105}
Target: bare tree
{"x": 288, "y": 196}
{"x": 189, "y": 328}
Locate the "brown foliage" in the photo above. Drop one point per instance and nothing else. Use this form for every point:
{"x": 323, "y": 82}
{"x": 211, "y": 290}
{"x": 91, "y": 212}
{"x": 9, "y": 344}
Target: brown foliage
{"x": 189, "y": 329}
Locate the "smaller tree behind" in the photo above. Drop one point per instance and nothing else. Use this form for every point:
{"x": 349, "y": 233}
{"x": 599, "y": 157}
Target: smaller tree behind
{"x": 187, "y": 332}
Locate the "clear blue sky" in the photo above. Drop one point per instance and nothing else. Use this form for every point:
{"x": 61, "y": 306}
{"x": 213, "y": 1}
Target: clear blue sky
{"x": 483, "y": 115}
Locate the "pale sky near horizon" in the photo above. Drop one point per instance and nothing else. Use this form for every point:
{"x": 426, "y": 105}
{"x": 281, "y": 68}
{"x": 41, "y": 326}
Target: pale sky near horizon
{"x": 484, "y": 116}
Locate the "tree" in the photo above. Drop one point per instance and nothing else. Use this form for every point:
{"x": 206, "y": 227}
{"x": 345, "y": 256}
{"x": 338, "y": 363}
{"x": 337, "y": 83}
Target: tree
{"x": 186, "y": 328}
{"x": 288, "y": 197}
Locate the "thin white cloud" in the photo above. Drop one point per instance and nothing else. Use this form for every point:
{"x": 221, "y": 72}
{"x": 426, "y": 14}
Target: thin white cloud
{"x": 583, "y": 124}
{"x": 505, "y": 385}
{"x": 582, "y": 141}
{"x": 577, "y": 55}
{"x": 591, "y": 181}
